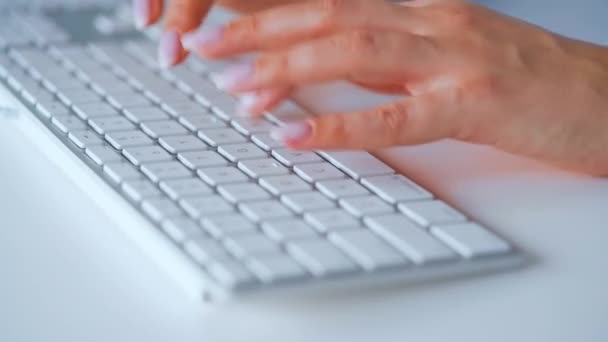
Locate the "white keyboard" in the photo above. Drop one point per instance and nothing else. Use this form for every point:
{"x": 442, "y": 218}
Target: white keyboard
{"x": 249, "y": 213}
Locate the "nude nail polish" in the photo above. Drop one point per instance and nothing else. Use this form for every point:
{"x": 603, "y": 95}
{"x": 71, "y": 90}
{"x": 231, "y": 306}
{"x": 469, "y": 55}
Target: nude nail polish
{"x": 207, "y": 35}
{"x": 141, "y": 13}
{"x": 169, "y": 49}
{"x": 233, "y": 77}
{"x": 292, "y": 132}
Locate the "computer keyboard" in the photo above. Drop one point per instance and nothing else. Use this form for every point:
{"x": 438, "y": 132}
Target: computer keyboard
{"x": 250, "y": 213}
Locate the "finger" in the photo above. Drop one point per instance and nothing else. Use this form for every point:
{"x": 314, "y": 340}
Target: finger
{"x": 414, "y": 120}
{"x": 146, "y": 12}
{"x": 256, "y": 103}
{"x": 182, "y": 16}
{"x": 385, "y": 88}
{"x": 285, "y": 25}
{"x": 373, "y": 57}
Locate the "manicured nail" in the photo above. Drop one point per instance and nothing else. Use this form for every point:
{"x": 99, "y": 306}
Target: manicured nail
{"x": 292, "y": 132}
{"x": 205, "y": 36}
{"x": 246, "y": 103}
{"x": 169, "y": 49}
{"x": 141, "y": 13}
{"x": 233, "y": 77}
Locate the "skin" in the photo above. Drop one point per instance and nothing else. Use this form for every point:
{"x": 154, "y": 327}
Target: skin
{"x": 469, "y": 73}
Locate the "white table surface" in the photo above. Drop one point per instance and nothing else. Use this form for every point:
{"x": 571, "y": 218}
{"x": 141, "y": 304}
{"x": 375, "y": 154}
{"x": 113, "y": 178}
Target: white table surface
{"x": 68, "y": 275}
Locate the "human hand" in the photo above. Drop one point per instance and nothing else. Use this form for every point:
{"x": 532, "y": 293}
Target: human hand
{"x": 470, "y": 73}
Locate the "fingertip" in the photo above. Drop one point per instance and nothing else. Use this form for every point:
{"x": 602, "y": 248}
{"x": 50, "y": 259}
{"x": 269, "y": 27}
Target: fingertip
{"x": 293, "y": 134}
{"x": 170, "y": 49}
{"x": 142, "y": 12}
{"x": 203, "y": 38}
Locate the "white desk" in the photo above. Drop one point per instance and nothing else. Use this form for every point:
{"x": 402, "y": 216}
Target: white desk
{"x": 67, "y": 277}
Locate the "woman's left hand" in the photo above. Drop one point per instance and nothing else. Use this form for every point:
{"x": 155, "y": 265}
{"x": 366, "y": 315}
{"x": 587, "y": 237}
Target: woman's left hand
{"x": 470, "y": 73}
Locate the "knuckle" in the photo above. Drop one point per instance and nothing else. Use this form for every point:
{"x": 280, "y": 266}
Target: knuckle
{"x": 393, "y": 118}
{"x": 247, "y": 25}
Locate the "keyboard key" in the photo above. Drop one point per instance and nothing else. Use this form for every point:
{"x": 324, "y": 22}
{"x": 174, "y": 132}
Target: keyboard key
{"x": 320, "y": 257}
{"x": 265, "y": 141}
{"x": 195, "y": 122}
{"x": 246, "y": 245}
{"x": 84, "y": 139}
{"x": 287, "y": 111}
{"x": 178, "y": 188}
{"x": 307, "y": 201}
{"x": 215, "y": 137}
{"x": 330, "y": 220}
{"x": 121, "y": 171}
{"x": 205, "y": 205}
{"x": 140, "y": 189}
{"x": 163, "y": 128}
{"x": 288, "y": 229}
{"x": 279, "y": 185}
{"x": 146, "y": 154}
{"x": 102, "y": 154}
{"x": 264, "y": 210}
{"x": 396, "y": 188}
{"x": 291, "y": 157}
{"x": 201, "y": 159}
{"x": 68, "y": 123}
{"x": 160, "y": 208}
{"x": 142, "y": 114}
{"x": 316, "y": 172}
{"x": 94, "y": 110}
{"x": 108, "y": 124}
{"x": 358, "y": 164}
{"x": 182, "y": 143}
{"x": 366, "y": 205}
{"x": 238, "y": 152}
{"x": 339, "y": 188}
{"x": 236, "y": 193}
{"x": 204, "y": 250}
{"x": 410, "y": 239}
{"x": 180, "y": 229}
{"x": 276, "y": 268}
{"x": 227, "y": 225}
{"x": 251, "y": 126}
{"x": 231, "y": 274}
{"x": 427, "y": 213}
{"x": 370, "y": 251}
{"x": 123, "y": 139}
{"x": 470, "y": 239}
{"x": 262, "y": 167}
{"x": 52, "y": 108}
{"x": 165, "y": 170}
{"x": 222, "y": 175}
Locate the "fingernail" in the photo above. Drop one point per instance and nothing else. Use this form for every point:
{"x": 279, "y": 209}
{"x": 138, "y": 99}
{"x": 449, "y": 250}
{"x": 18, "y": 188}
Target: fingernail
{"x": 246, "y": 103}
{"x": 141, "y": 13}
{"x": 233, "y": 77}
{"x": 292, "y": 132}
{"x": 169, "y": 49}
{"x": 207, "y": 35}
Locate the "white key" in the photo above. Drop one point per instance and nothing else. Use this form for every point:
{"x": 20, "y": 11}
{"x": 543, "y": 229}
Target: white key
{"x": 221, "y": 136}
{"x": 205, "y": 205}
{"x": 246, "y": 245}
{"x": 410, "y": 239}
{"x": 84, "y": 139}
{"x": 221, "y": 226}
{"x": 123, "y": 139}
{"x": 140, "y": 189}
{"x": 102, "y": 154}
{"x": 242, "y": 192}
{"x": 231, "y": 274}
{"x": 287, "y": 111}
{"x": 201, "y": 159}
{"x": 222, "y": 175}
{"x": 265, "y": 141}
{"x": 94, "y": 110}
{"x": 307, "y": 201}
{"x": 369, "y": 250}
{"x": 107, "y": 124}
{"x": 182, "y": 143}
{"x": 121, "y": 171}
{"x": 291, "y": 157}
{"x": 470, "y": 239}
{"x": 204, "y": 250}
{"x": 67, "y": 123}
{"x": 276, "y": 268}
{"x": 264, "y": 210}
{"x": 288, "y": 229}
{"x": 238, "y": 152}
{"x": 196, "y": 122}
{"x": 396, "y": 188}
{"x": 320, "y": 257}
{"x": 165, "y": 170}
{"x": 249, "y": 126}
{"x": 340, "y": 188}
{"x": 262, "y": 167}
{"x": 427, "y": 213}
{"x": 366, "y": 205}
{"x": 187, "y": 108}
{"x": 146, "y": 154}
{"x": 157, "y": 129}
{"x": 142, "y": 114}
{"x": 279, "y": 185}
{"x": 181, "y": 229}
{"x": 178, "y": 188}
{"x": 358, "y": 164}
{"x": 316, "y": 172}
{"x": 52, "y": 108}
{"x": 160, "y": 208}
{"x": 330, "y": 220}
